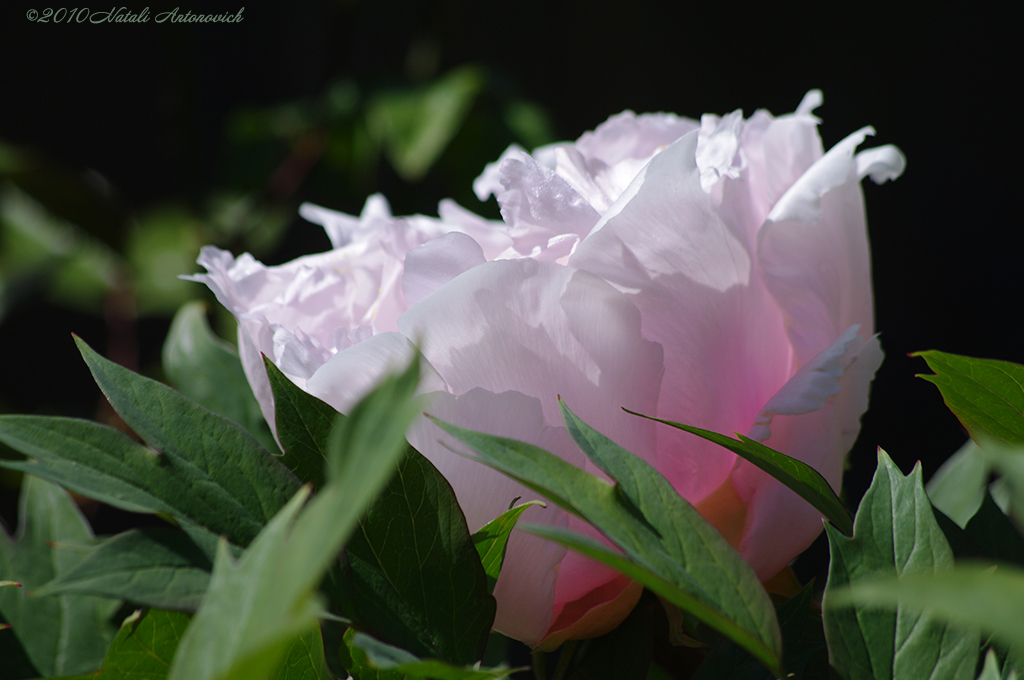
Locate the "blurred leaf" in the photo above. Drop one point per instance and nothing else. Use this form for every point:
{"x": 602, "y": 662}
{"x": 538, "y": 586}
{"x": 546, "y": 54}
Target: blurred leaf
{"x": 804, "y": 480}
{"x": 233, "y": 474}
{"x": 397, "y": 663}
{"x": 969, "y": 596}
{"x": 161, "y": 247}
{"x": 208, "y": 371}
{"x": 42, "y": 252}
{"x": 986, "y": 395}
{"x": 255, "y": 608}
{"x": 668, "y": 546}
{"x": 415, "y": 575}
{"x": 416, "y": 126}
{"x": 154, "y": 567}
{"x": 894, "y": 534}
{"x": 958, "y": 487}
{"x": 303, "y": 425}
{"x": 491, "y": 541}
{"x": 64, "y": 634}
{"x": 1010, "y": 462}
{"x": 530, "y": 123}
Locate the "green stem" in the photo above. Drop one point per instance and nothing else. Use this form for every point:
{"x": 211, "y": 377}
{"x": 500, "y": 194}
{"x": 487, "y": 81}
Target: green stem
{"x": 539, "y": 661}
{"x": 565, "y": 659}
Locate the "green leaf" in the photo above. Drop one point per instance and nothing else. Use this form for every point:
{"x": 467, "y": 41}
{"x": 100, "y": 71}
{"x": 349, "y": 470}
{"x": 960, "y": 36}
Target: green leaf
{"x": 208, "y": 371}
{"x": 65, "y": 634}
{"x": 802, "y": 639}
{"x": 305, "y": 659}
{"x": 254, "y": 609}
{"x": 895, "y": 534}
{"x": 957, "y": 488}
{"x": 491, "y": 541}
{"x": 416, "y": 126}
{"x": 415, "y": 575}
{"x": 144, "y": 646}
{"x": 804, "y": 480}
{"x": 1010, "y": 462}
{"x": 994, "y": 535}
{"x": 668, "y": 546}
{"x": 303, "y": 426}
{"x": 154, "y": 567}
{"x": 986, "y": 395}
{"x": 232, "y": 472}
{"x": 105, "y": 464}
{"x": 991, "y": 671}
{"x": 398, "y": 663}
{"x": 969, "y": 596}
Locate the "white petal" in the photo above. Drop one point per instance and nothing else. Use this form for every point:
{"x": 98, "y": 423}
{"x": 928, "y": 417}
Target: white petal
{"x": 436, "y": 262}
{"x": 802, "y": 203}
{"x": 352, "y": 373}
{"x": 489, "y": 182}
{"x": 881, "y": 163}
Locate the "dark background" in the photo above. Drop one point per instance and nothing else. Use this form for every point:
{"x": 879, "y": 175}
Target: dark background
{"x": 147, "y": 107}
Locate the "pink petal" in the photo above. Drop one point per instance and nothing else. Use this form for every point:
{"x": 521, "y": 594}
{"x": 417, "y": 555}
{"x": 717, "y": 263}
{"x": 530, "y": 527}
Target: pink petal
{"x": 692, "y": 278}
{"x": 780, "y": 523}
{"x": 543, "y": 330}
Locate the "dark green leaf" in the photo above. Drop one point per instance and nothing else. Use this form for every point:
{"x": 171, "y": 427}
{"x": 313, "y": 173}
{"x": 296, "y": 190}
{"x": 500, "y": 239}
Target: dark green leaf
{"x": 232, "y": 473}
{"x": 153, "y": 567}
{"x": 102, "y": 463}
{"x": 144, "y": 646}
{"x": 491, "y": 541}
{"x": 802, "y": 639}
{"x": 895, "y": 534}
{"x": 255, "y": 609}
{"x": 415, "y": 575}
{"x": 303, "y": 425}
{"x": 689, "y": 563}
{"x": 397, "y": 663}
{"x": 208, "y": 371}
{"x": 986, "y": 395}
{"x": 65, "y": 634}
{"x": 804, "y": 480}
{"x": 995, "y": 535}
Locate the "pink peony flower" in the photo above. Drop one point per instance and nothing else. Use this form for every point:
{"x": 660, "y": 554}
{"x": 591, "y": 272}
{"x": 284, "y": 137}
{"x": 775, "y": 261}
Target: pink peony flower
{"x": 715, "y": 273}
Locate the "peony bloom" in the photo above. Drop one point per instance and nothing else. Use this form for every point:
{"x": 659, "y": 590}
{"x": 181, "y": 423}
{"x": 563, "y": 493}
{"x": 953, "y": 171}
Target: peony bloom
{"x": 715, "y": 273}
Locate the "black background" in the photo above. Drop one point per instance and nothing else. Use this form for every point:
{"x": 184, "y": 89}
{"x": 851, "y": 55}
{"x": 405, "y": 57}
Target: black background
{"x": 145, "y": 105}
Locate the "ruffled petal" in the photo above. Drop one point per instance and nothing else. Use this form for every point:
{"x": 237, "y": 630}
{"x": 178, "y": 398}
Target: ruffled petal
{"x": 819, "y": 271}
{"x": 691, "y": 276}
{"x": 543, "y": 330}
